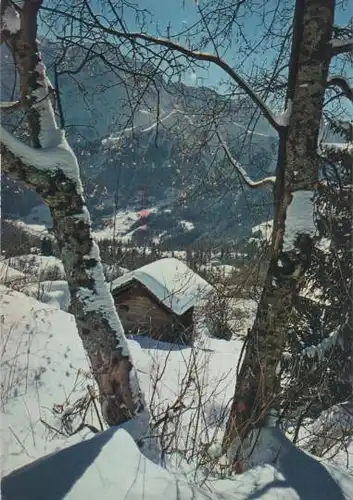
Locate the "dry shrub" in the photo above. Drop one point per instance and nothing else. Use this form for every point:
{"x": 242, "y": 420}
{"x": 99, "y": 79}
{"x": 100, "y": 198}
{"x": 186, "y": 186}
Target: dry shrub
{"x": 190, "y": 426}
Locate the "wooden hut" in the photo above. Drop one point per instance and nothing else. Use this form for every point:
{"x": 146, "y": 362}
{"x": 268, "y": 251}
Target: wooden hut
{"x": 159, "y": 300}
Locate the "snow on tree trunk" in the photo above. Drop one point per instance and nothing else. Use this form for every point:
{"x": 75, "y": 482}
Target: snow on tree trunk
{"x": 256, "y": 398}
{"x": 50, "y": 167}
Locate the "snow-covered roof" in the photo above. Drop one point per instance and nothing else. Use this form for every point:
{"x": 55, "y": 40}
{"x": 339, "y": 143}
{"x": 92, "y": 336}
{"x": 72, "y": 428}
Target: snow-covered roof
{"x": 171, "y": 281}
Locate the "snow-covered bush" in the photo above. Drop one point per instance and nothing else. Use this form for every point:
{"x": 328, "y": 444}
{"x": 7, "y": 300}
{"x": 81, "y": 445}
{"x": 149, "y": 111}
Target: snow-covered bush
{"x": 332, "y": 431}
{"x": 219, "y": 313}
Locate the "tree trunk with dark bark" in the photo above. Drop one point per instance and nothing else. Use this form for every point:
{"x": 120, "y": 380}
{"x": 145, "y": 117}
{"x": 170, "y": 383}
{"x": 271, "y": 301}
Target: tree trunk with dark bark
{"x": 50, "y": 167}
{"x": 258, "y": 382}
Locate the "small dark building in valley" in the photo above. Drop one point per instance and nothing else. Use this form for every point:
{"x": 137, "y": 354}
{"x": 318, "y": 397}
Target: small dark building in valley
{"x": 158, "y": 300}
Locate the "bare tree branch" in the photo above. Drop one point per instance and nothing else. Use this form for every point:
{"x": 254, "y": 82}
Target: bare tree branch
{"x": 212, "y": 58}
{"x": 249, "y": 182}
{"x": 189, "y": 53}
{"x": 343, "y": 84}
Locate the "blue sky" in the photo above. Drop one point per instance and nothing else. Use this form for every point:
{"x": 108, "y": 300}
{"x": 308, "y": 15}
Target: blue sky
{"x": 180, "y": 14}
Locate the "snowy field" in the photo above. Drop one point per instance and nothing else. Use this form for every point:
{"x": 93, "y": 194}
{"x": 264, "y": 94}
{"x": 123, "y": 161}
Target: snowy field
{"x": 38, "y": 221}
{"x": 45, "y": 367}
{"x": 46, "y": 383}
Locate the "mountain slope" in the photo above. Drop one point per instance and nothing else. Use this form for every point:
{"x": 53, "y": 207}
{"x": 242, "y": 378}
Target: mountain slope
{"x": 164, "y": 155}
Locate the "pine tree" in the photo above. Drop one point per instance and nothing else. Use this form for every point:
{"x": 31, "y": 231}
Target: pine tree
{"x": 320, "y": 371}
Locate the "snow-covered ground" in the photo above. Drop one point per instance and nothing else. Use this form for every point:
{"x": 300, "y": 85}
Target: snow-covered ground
{"x": 52, "y": 292}
{"x": 44, "y": 366}
{"x": 45, "y": 377}
{"x": 117, "y": 225}
{"x": 118, "y": 228}
{"x": 38, "y": 221}
{"x": 111, "y": 466}
{"x": 9, "y": 274}
{"x": 38, "y": 267}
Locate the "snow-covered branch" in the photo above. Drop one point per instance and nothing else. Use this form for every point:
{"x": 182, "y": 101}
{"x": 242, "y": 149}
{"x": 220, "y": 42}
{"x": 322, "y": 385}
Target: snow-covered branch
{"x": 57, "y": 157}
{"x": 249, "y": 182}
{"x": 341, "y": 46}
{"x": 320, "y": 350}
{"x": 9, "y": 105}
{"x": 283, "y": 119}
{"x": 10, "y": 20}
{"x": 315, "y": 353}
{"x": 342, "y": 83}
{"x": 336, "y": 147}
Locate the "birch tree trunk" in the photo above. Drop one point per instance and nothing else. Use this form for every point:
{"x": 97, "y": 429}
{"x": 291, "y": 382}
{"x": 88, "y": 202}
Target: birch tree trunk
{"x": 50, "y": 167}
{"x": 258, "y": 382}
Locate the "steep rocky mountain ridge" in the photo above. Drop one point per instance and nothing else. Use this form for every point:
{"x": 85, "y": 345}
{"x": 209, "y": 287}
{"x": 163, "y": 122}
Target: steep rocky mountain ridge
{"x": 165, "y": 156}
